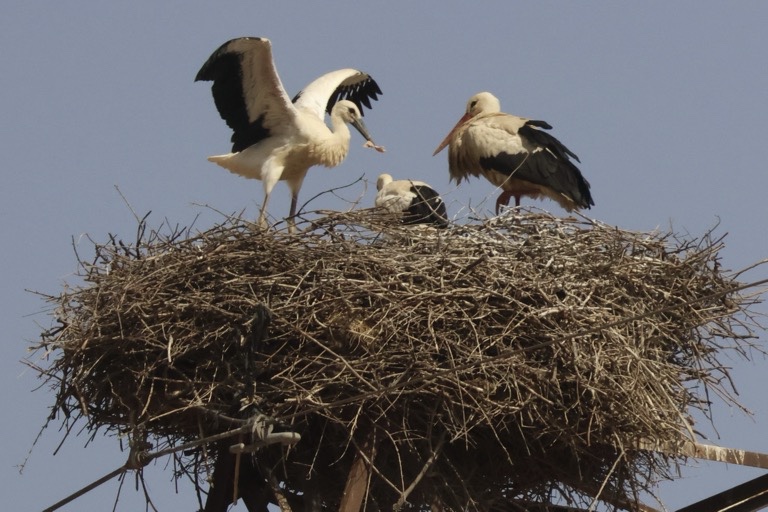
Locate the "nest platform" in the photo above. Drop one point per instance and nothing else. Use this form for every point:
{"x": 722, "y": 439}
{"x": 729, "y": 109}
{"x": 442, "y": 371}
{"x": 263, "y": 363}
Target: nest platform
{"x": 503, "y": 365}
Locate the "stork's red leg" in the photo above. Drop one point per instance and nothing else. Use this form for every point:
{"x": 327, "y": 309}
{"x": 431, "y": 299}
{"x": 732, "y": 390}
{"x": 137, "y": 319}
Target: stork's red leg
{"x": 504, "y": 199}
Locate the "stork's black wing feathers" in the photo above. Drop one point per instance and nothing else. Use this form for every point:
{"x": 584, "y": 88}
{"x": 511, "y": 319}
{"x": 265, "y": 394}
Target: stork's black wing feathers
{"x": 570, "y": 178}
{"x": 542, "y": 168}
{"x": 539, "y": 124}
{"x": 426, "y": 208}
{"x": 360, "y": 93}
{"x": 549, "y": 164}
{"x": 545, "y": 140}
{"x": 225, "y": 69}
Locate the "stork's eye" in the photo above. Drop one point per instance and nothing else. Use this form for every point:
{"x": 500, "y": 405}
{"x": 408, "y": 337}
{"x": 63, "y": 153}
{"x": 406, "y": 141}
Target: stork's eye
{"x": 472, "y": 104}
{"x": 351, "y": 110}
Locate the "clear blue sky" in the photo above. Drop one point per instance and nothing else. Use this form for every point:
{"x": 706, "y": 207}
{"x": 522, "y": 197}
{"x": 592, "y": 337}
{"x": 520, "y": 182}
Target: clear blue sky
{"x": 665, "y": 102}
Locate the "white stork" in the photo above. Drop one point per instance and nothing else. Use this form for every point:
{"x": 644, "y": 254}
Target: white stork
{"x": 514, "y": 154}
{"x": 418, "y": 202}
{"x": 276, "y": 138}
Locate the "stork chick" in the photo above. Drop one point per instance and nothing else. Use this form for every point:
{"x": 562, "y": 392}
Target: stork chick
{"x": 418, "y": 202}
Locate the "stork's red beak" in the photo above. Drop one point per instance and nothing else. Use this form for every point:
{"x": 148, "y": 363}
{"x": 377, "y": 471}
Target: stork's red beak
{"x": 448, "y": 137}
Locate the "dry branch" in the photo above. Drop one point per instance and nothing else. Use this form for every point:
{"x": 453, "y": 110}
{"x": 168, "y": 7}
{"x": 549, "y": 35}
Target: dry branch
{"x": 513, "y": 361}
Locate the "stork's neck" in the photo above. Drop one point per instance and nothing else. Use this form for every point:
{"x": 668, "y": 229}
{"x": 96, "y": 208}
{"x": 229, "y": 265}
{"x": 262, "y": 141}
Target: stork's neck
{"x": 340, "y": 129}
{"x": 334, "y": 148}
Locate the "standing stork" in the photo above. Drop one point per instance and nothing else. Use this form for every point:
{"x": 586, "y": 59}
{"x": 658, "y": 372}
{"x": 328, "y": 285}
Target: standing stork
{"x": 275, "y": 138}
{"x": 514, "y": 154}
{"x": 418, "y": 202}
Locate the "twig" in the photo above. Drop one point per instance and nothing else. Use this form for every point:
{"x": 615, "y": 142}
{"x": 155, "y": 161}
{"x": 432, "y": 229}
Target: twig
{"x": 435, "y": 453}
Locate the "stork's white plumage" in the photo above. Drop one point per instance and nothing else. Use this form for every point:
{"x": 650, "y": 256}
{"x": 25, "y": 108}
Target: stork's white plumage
{"x": 514, "y": 154}
{"x": 418, "y": 202}
{"x": 275, "y": 138}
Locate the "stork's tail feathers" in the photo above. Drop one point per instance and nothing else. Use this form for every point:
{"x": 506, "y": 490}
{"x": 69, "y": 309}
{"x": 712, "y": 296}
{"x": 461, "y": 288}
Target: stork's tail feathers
{"x": 235, "y": 163}
{"x": 221, "y": 159}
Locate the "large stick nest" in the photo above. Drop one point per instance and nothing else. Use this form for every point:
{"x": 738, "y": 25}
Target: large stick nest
{"x": 517, "y": 359}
